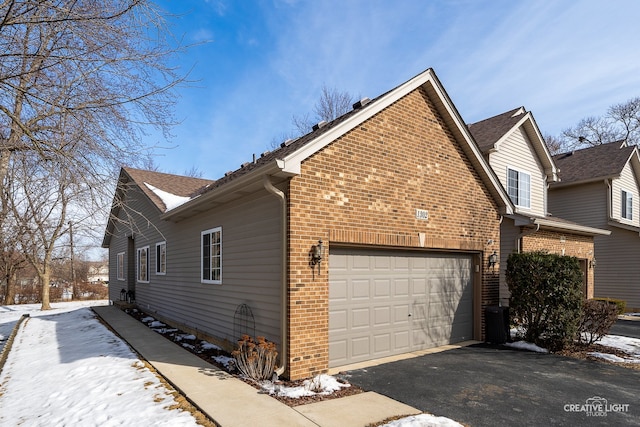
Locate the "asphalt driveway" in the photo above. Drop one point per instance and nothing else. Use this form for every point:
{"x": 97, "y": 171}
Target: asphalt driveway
{"x": 488, "y": 385}
{"x": 627, "y": 328}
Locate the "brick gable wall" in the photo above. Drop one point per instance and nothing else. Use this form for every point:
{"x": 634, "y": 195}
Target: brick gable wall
{"x": 363, "y": 189}
{"x": 575, "y": 245}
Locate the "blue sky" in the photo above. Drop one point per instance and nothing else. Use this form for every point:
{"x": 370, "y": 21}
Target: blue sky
{"x": 264, "y": 61}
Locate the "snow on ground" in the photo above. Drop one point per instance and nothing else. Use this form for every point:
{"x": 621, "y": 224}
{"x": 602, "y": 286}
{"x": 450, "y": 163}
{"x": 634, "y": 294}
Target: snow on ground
{"x": 322, "y": 384}
{"x": 66, "y": 368}
{"x": 629, "y": 345}
{"x": 523, "y": 345}
{"x": 423, "y": 420}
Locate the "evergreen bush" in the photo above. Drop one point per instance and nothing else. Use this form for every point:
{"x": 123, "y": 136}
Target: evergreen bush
{"x": 546, "y": 297}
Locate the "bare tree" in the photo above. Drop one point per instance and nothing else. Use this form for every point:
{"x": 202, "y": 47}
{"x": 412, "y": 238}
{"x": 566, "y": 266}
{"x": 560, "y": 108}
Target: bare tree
{"x": 332, "y": 104}
{"x": 554, "y": 144}
{"x": 39, "y": 206}
{"x": 621, "y": 122}
{"x": 79, "y": 81}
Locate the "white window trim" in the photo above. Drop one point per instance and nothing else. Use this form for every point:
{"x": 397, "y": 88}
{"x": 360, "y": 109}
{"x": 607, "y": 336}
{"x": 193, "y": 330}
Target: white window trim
{"x": 138, "y": 251}
{"x": 202, "y": 234}
{"x": 120, "y": 264}
{"x": 520, "y": 171}
{"x": 158, "y": 272}
{"x": 623, "y": 203}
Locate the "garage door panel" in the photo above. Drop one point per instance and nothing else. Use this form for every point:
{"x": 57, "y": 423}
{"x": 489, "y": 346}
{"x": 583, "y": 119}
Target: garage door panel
{"x": 382, "y": 316}
{"x": 419, "y": 287}
{"x": 359, "y": 263}
{"x": 360, "y": 347}
{"x": 402, "y": 341}
{"x": 338, "y": 291}
{"x": 338, "y": 320}
{"x": 361, "y": 289}
{"x": 382, "y": 343}
{"x": 338, "y": 349}
{"x": 399, "y": 263}
{"x": 396, "y": 301}
{"x": 382, "y": 288}
{"x": 360, "y": 318}
{"x": 401, "y": 288}
{"x": 401, "y": 314}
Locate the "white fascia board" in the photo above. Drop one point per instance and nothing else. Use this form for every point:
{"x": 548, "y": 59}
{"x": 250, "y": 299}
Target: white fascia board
{"x": 577, "y": 228}
{"x": 634, "y": 159}
{"x": 539, "y": 147}
{"x": 238, "y": 184}
{"x": 520, "y": 220}
{"x": 292, "y": 162}
{"x": 486, "y": 170}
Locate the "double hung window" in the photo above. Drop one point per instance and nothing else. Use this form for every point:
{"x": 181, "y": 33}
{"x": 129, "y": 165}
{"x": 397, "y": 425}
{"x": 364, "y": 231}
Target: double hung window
{"x": 142, "y": 265}
{"x": 519, "y": 187}
{"x": 211, "y": 256}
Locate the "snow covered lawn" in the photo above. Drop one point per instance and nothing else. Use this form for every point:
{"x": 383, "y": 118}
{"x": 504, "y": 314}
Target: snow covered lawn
{"x": 66, "y": 369}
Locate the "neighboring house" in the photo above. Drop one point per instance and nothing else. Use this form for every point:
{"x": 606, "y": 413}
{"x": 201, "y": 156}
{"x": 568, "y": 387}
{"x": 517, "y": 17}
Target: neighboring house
{"x": 367, "y": 237}
{"x": 600, "y": 188}
{"x": 517, "y": 153}
{"x": 98, "y": 274}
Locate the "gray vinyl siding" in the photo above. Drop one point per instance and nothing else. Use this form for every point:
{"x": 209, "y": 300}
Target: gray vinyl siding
{"x": 617, "y": 272}
{"x": 626, "y": 182}
{"x": 251, "y": 266}
{"x": 516, "y": 152}
{"x": 584, "y": 204}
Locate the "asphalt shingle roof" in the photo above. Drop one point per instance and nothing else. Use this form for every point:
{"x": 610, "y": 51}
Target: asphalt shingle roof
{"x": 175, "y": 184}
{"x": 488, "y": 131}
{"x": 593, "y": 163}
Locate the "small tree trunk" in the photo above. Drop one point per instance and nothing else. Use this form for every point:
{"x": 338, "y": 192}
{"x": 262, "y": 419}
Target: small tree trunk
{"x": 45, "y": 278}
{"x": 10, "y": 292}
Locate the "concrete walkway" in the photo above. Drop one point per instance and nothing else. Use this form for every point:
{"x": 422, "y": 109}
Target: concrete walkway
{"x": 230, "y": 402}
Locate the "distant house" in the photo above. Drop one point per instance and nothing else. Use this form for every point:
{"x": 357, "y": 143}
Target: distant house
{"x": 513, "y": 145}
{"x": 98, "y": 274}
{"x": 368, "y": 237}
{"x": 600, "y": 188}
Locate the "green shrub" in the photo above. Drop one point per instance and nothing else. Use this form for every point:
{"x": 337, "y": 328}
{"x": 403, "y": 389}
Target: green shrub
{"x": 546, "y": 297}
{"x": 621, "y": 304}
{"x": 597, "y": 319}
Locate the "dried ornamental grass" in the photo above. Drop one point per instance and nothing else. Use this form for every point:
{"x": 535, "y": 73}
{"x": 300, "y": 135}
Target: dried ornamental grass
{"x": 255, "y": 359}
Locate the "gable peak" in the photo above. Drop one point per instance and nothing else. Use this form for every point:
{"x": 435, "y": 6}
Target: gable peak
{"x": 518, "y": 112}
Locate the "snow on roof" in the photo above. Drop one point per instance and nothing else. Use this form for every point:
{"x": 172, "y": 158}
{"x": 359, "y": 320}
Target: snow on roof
{"x": 171, "y": 201}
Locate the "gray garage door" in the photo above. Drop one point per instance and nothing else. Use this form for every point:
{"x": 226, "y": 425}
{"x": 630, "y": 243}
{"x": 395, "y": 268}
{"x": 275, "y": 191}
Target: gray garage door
{"x": 383, "y": 303}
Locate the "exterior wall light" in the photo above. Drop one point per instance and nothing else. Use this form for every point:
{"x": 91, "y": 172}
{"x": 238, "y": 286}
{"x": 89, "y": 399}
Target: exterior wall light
{"x": 317, "y": 252}
{"x": 493, "y": 260}
{"x": 592, "y": 263}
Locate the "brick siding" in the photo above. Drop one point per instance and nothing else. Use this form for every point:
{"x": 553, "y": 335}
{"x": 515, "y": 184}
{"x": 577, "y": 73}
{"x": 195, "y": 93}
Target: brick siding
{"x": 364, "y": 189}
{"x": 575, "y": 245}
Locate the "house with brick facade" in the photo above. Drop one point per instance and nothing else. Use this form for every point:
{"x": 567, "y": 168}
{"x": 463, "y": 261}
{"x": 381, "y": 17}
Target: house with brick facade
{"x": 368, "y": 237}
{"x": 600, "y": 188}
{"x": 513, "y": 146}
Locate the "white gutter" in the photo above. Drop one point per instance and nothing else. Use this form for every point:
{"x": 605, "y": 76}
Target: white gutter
{"x": 268, "y": 185}
{"x": 525, "y": 233}
{"x": 607, "y": 182}
{"x": 570, "y": 227}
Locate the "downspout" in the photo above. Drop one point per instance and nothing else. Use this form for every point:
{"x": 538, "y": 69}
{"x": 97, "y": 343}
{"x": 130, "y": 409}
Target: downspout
{"x": 268, "y": 185}
{"x": 523, "y": 234}
{"x": 607, "y": 182}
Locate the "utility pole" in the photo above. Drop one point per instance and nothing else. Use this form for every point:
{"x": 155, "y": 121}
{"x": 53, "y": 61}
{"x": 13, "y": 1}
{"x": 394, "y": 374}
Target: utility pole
{"x": 73, "y": 270}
